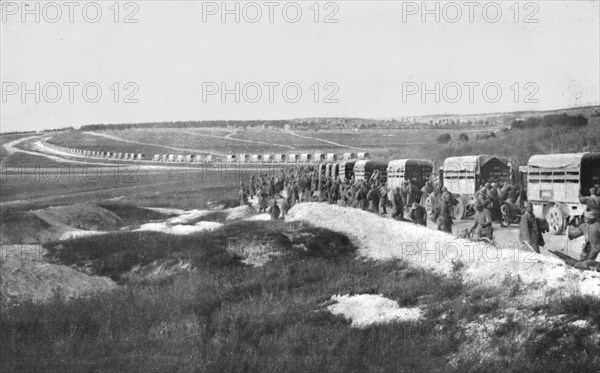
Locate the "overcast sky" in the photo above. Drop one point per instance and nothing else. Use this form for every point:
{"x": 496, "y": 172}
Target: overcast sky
{"x": 377, "y": 58}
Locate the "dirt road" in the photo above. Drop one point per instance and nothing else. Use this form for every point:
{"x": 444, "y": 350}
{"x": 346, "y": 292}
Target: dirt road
{"x": 325, "y": 141}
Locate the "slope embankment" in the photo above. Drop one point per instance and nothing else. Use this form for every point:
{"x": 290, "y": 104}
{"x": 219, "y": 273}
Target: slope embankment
{"x": 381, "y": 238}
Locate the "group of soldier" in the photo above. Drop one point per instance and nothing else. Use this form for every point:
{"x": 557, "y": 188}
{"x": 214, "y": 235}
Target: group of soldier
{"x": 407, "y": 202}
{"x": 590, "y": 228}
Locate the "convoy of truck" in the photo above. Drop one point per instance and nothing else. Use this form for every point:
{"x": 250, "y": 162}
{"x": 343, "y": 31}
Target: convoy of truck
{"x": 552, "y": 183}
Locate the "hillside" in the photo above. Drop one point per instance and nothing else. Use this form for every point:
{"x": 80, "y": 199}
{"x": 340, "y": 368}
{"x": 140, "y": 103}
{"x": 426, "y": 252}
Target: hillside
{"x": 330, "y": 289}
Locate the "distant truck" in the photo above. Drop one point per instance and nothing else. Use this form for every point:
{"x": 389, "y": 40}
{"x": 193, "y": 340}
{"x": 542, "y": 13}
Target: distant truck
{"x": 332, "y": 169}
{"x": 401, "y": 170}
{"x": 346, "y": 169}
{"x": 318, "y": 157}
{"x": 464, "y": 176}
{"x": 554, "y": 182}
{"x": 363, "y": 169}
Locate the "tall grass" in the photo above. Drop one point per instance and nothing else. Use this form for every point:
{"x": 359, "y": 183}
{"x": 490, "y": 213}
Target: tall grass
{"x": 518, "y": 144}
{"x": 230, "y": 317}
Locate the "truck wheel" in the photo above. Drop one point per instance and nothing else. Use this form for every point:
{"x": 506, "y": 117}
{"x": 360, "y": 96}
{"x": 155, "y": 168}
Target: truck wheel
{"x": 505, "y": 221}
{"x": 460, "y": 209}
{"x": 556, "y": 220}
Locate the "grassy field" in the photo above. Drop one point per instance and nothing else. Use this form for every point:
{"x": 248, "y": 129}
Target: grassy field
{"x": 228, "y": 316}
{"x": 34, "y": 181}
{"x": 225, "y": 316}
{"x": 518, "y": 144}
{"x": 254, "y": 141}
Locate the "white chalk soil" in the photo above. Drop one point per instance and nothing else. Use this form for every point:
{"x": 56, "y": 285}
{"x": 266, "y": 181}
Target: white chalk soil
{"x": 384, "y": 239}
{"x": 369, "y": 309}
{"x": 179, "y": 229}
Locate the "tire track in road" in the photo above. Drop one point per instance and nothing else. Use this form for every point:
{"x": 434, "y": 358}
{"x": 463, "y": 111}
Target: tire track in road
{"x": 11, "y": 148}
{"x": 325, "y": 141}
{"x": 228, "y": 137}
{"x": 116, "y": 138}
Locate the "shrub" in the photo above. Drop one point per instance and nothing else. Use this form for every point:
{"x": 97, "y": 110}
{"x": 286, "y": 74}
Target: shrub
{"x": 444, "y": 139}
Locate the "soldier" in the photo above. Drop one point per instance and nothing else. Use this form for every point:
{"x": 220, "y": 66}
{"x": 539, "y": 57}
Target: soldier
{"x": 334, "y": 189}
{"x": 252, "y": 186}
{"x": 397, "y": 205}
{"x": 412, "y": 192}
{"x": 482, "y": 224}
{"x": 503, "y": 192}
{"x": 529, "y": 233}
{"x": 314, "y": 183}
{"x": 373, "y": 198}
{"x": 494, "y": 196}
{"x": 361, "y": 198}
{"x": 305, "y": 188}
{"x": 592, "y": 202}
{"x": 444, "y": 221}
{"x": 383, "y": 199}
{"x": 591, "y": 230}
{"x": 425, "y": 192}
{"x": 285, "y": 207}
{"x": 437, "y": 189}
{"x": 262, "y": 198}
{"x": 448, "y": 197}
{"x": 274, "y": 210}
{"x": 295, "y": 193}
{"x": 243, "y": 197}
{"x": 271, "y": 187}
{"x": 418, "y": 214}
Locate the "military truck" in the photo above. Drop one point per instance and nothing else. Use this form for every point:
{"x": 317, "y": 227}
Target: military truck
{"x": 554, "y": 183}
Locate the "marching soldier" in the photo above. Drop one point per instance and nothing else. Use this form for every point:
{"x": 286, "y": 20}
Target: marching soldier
{"x": 444, "y": 221}
{"x": 274, "y": 210}
{"x": 397, "y": 205}
{"x": 529, "y": 233}
{"x": 243, "y": 196}
{"x": 383, "y": 199}
{"x": 482, "y": 224}
{"x": 418, "y": 214}
{"x": 373, "y": 198}
{"x": 592, "y": 202}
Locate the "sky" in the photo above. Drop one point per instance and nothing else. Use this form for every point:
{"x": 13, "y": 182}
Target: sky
{"x": 147, "y": 61}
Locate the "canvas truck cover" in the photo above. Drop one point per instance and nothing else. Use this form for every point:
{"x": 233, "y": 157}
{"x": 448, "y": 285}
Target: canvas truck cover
{"x": 561, "y": 177}
{"x": 346, "y": 169}
{"x": 464, "y": 175}
{"x": 557, "y": 160}
{"x": 419, "y": 171}
{"x": 363, "y": 169}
